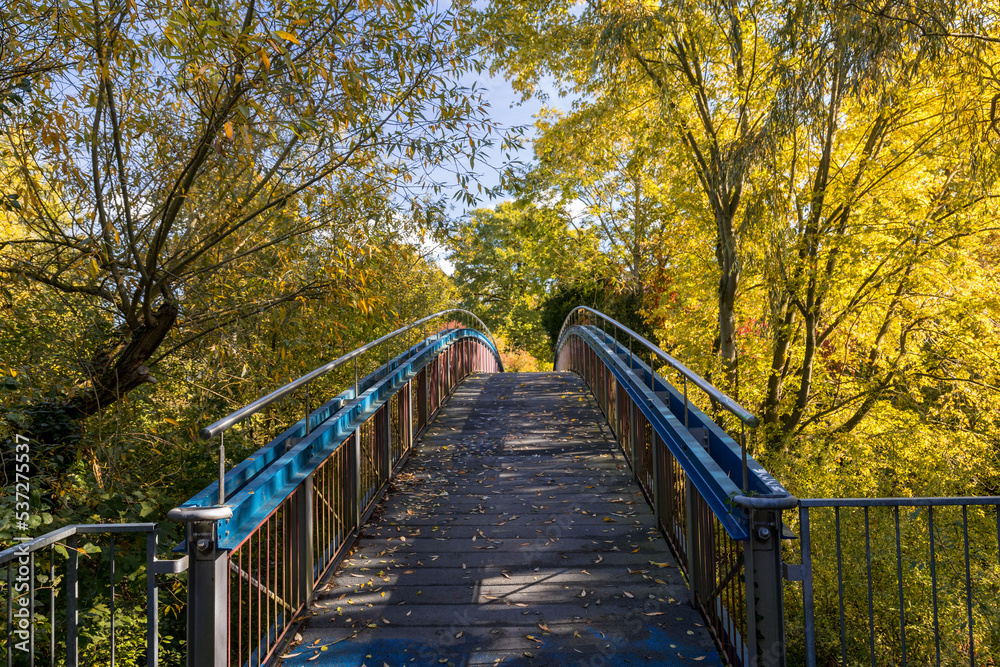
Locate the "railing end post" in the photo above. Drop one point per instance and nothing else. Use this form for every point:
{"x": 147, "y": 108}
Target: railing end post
{"x": 208, "y": 586}
{"x": 765, "y": 598}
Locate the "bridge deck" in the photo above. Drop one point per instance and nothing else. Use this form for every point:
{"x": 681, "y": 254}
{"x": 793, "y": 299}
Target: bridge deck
{"x": 515, "y": 536}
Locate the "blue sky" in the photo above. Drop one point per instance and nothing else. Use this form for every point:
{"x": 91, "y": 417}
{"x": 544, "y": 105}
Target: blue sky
{"x": 507, "y": 109}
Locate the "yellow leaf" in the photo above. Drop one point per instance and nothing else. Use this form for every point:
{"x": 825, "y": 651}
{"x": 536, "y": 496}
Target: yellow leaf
{"x": 264, "y": 60}
{"x": 286, "y": 36}
{"x": 94, "y": 269}
{"x": 229, "y": 130}
{"x": 171, "y": 421}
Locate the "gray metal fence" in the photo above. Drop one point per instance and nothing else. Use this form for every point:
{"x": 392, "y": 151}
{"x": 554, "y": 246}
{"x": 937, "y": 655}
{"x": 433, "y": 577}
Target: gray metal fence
{"x": 895, "y": 581}
{"x": 64, "y": 585}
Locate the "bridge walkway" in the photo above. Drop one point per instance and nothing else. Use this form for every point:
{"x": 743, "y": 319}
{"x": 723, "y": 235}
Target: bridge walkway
{"x": 515, "y": 535}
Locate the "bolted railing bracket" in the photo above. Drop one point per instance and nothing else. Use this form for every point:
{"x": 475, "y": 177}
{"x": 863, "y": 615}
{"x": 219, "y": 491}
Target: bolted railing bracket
{"x": 793, "y": 572}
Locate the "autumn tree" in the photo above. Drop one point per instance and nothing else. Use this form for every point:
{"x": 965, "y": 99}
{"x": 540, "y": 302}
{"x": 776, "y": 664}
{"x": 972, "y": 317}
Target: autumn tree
{"x": 163, "y": 148}
{"x": 602, "y": 161}
{"x": 508, "y": 260}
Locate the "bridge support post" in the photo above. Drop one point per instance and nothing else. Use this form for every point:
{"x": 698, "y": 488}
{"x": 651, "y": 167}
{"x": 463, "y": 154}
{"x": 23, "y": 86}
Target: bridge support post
{"x": 690, "y": 546}
{"x": 410, "y": 397}
{"x": 304, "y": 519}
{"x": 208, "y": 586}
{"x": 358, "y": 500}
{"x": 386, "y": 461}
{"x": 654, "y": 443}
{"x": 765, "y": 600}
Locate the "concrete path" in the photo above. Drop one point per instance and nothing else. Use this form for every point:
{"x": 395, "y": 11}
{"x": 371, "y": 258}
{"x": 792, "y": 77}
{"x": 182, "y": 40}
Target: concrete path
{"x": 514, "y": 536}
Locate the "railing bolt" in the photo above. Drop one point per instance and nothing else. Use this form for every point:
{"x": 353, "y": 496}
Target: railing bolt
{"x": 763, "y": 534}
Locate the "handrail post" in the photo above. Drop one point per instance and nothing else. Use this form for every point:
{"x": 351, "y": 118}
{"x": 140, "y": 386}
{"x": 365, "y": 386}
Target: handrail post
{"x": 222, "y": 468}
{"x": 308, "y": 410}
{"x": 743, "y": 448}
{"x": 208, "y": 586}
{"x": 765, "y": 599}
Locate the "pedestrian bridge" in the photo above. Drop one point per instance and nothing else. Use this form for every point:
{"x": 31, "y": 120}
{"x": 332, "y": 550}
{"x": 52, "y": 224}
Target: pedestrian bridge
{"x": 433, "y": 509}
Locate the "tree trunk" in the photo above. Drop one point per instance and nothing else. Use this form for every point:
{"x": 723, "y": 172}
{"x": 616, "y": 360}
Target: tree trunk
{"x": 779, "y": 362}
{"x": 729, "y": 279}
{"x": 116, "y": 374}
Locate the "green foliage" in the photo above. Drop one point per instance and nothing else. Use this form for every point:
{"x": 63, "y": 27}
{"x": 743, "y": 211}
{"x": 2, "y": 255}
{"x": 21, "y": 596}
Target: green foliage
{"x": 508, "y": 260}
{"x": 175, "y": 169}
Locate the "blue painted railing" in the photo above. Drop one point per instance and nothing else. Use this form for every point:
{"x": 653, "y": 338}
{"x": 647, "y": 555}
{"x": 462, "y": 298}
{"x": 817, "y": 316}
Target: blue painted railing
{"x": 695, "y": 476}
{"x": 292, "y": 508}
{"x": 721, "y": 512}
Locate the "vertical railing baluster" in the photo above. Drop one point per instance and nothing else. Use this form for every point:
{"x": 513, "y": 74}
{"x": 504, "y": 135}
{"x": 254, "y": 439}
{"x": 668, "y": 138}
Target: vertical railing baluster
{"x": 238, "y": 555}
{"x": 968, "y": 585}
{"x": 265, "y": 581}
{"x": 152, "y": 602}
{"x": 840, "y": 589}
{"x": 72, "y": 592}
{"x": 871, "y": 600}
{"x": 899, "y": 577}
{"x": 52, "y": 607}
{"x": 111, "y": 552}
{"x": 934, "y": 595}
{"x": 807, "y": 587}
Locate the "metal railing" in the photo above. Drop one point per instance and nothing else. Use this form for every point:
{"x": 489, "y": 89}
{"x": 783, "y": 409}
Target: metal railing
{"x": 293, "y": 507}
{"x": 692, "y": 473}
{"x": 584, "y": 316}
{"x": 45, "y": 612}
{"x": 453, "y": 316}
{"x": 889, "y": 581}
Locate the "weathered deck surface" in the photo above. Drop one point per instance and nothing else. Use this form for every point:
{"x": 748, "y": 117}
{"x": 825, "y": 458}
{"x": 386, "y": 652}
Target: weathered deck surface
{"x": 516, "y": 536}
